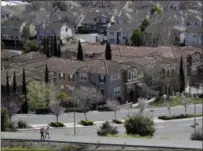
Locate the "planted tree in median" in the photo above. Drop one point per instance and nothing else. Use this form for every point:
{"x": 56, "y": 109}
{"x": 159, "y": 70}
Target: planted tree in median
{"x": 142, "y": 105}
{"x": 114, "y": 105}
{"x": 46, "y": 73}
{"x": 57, "y": 109}
{"x": 185, "y": 102}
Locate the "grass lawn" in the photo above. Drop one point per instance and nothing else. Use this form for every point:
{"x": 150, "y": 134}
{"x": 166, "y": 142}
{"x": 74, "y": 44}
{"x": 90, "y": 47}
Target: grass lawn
{"x": 175, "y": 101}
{"x": 24, "y": 149}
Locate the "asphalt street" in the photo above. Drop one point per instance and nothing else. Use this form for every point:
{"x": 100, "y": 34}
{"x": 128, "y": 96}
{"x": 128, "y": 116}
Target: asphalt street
{"x": 178, "y": 130}
{"x": 102, "y": 116}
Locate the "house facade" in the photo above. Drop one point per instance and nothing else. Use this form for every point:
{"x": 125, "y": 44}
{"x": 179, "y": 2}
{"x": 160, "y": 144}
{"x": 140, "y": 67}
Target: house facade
{"x": 120, "y": 34}
{"x": 14, "y": 31}
{"x": 194, "y": 65}
{"x": 61, "y": 30}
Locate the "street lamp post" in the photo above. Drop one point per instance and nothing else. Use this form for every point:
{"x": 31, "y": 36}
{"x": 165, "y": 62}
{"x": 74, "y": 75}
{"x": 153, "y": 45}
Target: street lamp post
{"x": 74, "y": 115}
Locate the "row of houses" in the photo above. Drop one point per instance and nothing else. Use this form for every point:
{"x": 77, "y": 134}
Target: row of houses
{"x": 117, "y": 24}
{"x": 121, "y": 78}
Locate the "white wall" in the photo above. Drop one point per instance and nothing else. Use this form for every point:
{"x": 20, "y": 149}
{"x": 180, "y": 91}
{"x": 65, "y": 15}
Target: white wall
{"x": 65, "y": 33}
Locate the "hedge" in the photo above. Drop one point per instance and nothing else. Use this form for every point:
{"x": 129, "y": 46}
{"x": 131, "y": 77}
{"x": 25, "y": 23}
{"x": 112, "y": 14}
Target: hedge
{"x": 42, "y": 111}
{"x": 86, "y": 122}
{"x": 182, "y": 116}
{"x": 55, "y": 124}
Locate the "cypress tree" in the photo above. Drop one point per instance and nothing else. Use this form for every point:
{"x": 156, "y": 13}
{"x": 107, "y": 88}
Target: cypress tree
{"x": 182, "y": 76}
{"x": 55, "y": 46}
{"x": 44, "y": 45}
{"x": 108, "y": 55}
{"x": 51, "y": 46}
{"x": 24, "y": 108}
{"x": 24, "y": 91}
{"x": 46, "y": 77}
{"x": 14, "y": 83}
{"x": 80, "y": 52}
{"x": 59, "y": 50}
{"x": 47, "y": 48}
{"x": 7, "y": 85}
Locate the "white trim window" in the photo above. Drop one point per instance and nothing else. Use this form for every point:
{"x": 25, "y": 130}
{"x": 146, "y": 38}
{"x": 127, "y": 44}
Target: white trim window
{"x": 117, "y": 91}
{"x": 130, "y": 75}
{"x": 115, "y": 77}
{"x": 62, "y": 75}
{"x": 134, "y": 74}
{"x": 83, "y": 76}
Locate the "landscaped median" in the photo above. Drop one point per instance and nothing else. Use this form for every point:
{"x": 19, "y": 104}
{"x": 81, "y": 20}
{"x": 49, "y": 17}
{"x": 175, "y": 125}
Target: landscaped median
{"x": 182, "y": 116}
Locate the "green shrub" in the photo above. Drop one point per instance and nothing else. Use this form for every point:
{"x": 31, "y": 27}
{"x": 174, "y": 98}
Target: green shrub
{"x": 117, "y": 121}
{"x": 198, "y": 135}
{"x": 42, "y": 111}
{"x": 4, "y": 119}
{"x": 86, "y": 122}
{"x": 55, "y": 124}
{"x": 22, "y": 124}
{"x": 78, "y": 110}
{"x": 139, "y": 125}
{"x": 182, "y": 116}
{"x": 107, "y": 129}
{"x": 11, "y": 127}
{"x": 104, "y": 108}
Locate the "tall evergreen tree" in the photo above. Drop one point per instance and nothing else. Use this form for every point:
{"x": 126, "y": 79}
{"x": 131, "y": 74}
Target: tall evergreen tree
{"x": 7, "y": 85}
{"x": 24, "y": 90}
{"x": 80, "y": 52}
{"x": 182, "y": 76}
{"x": 52, "y": 46}
{"x": 59, "y": 49}
{"x": 47, "y": 48}
{"x": 14, "y": 83}
{"x": 108, "y": 55}
{"x": 46, "y": 77}
{"x": 55, "y": 46}
{"x": 44, "y": 45}
{"x": 24, "y": 107}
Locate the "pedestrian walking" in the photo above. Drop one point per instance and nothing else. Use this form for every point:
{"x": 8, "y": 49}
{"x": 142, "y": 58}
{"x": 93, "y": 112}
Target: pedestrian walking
{"x": 42, "y": 132}
{"x": 47, "y": 132}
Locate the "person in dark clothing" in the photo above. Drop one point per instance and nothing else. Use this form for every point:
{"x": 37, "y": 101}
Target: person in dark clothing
{"x": 42, "y": 132}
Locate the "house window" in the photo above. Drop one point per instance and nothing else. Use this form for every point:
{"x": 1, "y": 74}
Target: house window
{"x": 102, "y": 79}
{"x": 115, "y": 77}
{"x": 66, "y": 29}
{"x": 112, "y": 33}
{"x": 62, "y": 76}
{"x": 188, "y": 24}
{"x": 129, "y": 75}
{"x": 117, "y": 91}
{"x": 83, "y": 76}
{"x": 123, "y": 37}
{"x": 102, "y": 92}
{"x": 134, "y": 74}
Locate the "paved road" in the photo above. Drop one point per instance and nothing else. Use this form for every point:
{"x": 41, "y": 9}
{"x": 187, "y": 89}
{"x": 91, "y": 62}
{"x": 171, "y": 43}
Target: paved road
{"x": 101, "y": 116}
{"x": 178, "y": 130}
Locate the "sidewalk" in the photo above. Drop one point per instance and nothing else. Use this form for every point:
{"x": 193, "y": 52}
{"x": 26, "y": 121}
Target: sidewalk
{"x": 112, "y": 141}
